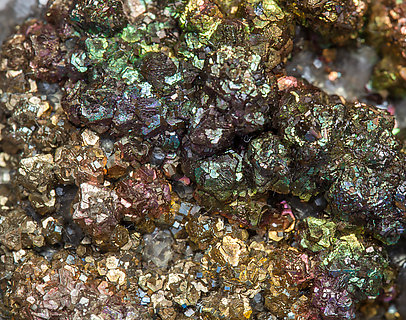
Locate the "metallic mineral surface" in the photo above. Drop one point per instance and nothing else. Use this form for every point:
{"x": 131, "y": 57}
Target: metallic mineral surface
{"x": 158, "y": 160}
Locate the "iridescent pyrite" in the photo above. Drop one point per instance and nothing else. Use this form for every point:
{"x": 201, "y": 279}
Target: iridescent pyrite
{"x": 386, "y": 30}
{"x": 162, "y": 160}
{"x": 336, "y": 21}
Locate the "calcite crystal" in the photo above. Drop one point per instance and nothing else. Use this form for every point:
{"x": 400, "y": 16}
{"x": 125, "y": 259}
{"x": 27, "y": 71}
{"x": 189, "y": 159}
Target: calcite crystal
{"x": 164, "y": 165}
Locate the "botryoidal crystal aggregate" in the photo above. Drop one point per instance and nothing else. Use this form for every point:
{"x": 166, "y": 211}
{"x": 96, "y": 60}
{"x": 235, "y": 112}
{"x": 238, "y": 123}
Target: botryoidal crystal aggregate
{"x": 160, "y": 156}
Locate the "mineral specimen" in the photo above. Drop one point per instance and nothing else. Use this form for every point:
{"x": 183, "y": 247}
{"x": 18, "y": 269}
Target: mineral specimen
{"x": 336, "y": 21}
{"x": 386, "y": 29}
{"x": 160, "y": 163}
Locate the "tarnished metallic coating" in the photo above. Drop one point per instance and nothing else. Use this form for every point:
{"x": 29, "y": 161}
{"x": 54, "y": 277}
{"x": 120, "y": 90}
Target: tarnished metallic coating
{"x": 362, "y": 197}
{"x": 159, "y": 164}
{"x": 318, "y": 235}
{"x": 136, "y": 85}
{"x": 76, "y": 164}
{"x": 386, "y": 32}
{"x": 311, "y": 124}
{"x": 270, "y": 163}
{"x": 221, "y": 176}
{"x": 97, "y": 211}
{"x": 350, "y": 268}
{"x": 336, "y": 21}
{"x": 322, "y": 141}
{"x": 145, "y": 193}
{"x": 249, "y": 268}
{"x": 35, "y": 53}
{"x": 68, "y": 282}
{"x": 261, "y": 27}
{"x": 210, "y": 130}
{"x": 354, "y": 270}
{"x": 336, "y": 148}
{"x": 106, "y": 107}
{"x": 98, "y": 16}
{"x": 242, "y": 87}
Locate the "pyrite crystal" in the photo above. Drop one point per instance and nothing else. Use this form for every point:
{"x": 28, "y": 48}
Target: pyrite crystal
{"x": 158, "y": 162}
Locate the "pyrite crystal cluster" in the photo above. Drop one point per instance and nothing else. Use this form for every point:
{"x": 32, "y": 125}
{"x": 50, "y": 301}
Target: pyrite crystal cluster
{"x": 165, "y": 166}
